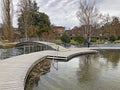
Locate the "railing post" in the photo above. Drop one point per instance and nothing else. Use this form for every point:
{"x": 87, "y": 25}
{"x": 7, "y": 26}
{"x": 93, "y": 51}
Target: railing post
{"x": 24, "y": 48}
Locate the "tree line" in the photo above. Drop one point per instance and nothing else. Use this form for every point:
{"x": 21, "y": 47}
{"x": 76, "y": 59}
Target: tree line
{"x": 33, "y": 23}
{"x": 88, "y": 15}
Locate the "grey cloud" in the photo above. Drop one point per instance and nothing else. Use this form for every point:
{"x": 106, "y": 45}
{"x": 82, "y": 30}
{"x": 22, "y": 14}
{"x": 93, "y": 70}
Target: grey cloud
{"x": 63, "y": 12}
{"x": 52, "y": 3}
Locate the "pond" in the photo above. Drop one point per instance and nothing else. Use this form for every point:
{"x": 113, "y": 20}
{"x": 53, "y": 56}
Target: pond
{"x": 10, "y": 52}
{"x": 25, "y": 49}
{"x": 87, "y": 72}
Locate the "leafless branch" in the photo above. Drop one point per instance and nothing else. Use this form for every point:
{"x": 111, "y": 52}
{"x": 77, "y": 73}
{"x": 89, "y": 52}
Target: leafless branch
{"x": 7, "y": 16}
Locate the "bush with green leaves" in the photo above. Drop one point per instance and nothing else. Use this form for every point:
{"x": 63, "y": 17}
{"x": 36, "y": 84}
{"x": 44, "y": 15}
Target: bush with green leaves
{"x": 65, "y": 38}
{"x": 80, "y": 39}
{"x": 112, "y": 38}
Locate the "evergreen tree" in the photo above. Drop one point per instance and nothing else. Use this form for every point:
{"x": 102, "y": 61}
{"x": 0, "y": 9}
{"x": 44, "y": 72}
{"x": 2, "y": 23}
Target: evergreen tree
{"x": 65, "y": 38}
{"x": 31, "y": 21}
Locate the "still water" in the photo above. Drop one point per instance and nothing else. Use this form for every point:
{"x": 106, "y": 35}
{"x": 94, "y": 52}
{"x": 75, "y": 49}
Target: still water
{"x": 88, "y": 72}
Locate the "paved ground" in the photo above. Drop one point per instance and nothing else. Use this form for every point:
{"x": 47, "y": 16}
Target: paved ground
{"x": 105, "y": 48}
{"x": 13, "y": 70}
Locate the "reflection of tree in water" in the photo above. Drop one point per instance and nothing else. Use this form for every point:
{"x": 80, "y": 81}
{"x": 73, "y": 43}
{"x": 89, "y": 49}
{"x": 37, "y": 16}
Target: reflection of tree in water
{"x": 87, "y": 71}
{"x": 41, "y": 68}
{"x": 112, "y": 56}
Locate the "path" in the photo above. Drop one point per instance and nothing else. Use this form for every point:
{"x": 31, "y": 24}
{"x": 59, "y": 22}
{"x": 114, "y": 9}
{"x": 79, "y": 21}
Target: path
{"x": 13, "y": 71}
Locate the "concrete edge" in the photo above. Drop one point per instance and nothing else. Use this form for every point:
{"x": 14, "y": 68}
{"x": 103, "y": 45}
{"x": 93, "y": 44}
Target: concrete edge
{"x": 31, "y": 67}
{"x": 81, "y": 53}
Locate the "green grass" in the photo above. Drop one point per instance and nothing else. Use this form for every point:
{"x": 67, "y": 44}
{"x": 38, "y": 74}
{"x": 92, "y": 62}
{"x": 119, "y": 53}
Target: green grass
{"x": 73, "y": 42}
{"x": 7, "y": 44}
{"x": 117, "y": 41}
{"x": 58, "y": 41}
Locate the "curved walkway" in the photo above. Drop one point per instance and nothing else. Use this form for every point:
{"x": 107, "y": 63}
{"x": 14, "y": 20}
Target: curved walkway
{"x": 13, "y": 71}
{"x": 52, "y": 45}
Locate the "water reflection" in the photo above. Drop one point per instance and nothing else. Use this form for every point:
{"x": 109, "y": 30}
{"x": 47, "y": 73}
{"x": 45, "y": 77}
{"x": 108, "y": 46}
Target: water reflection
{"x": 99, "y": 72}
{"x": 112, "y": 56}
{"x": 7, "y": 53}
{"x": 88, "y": 72}
{"x": 24, "y": 49}
{"x": 84, "y": 66}
{"x": 40, "y": 69}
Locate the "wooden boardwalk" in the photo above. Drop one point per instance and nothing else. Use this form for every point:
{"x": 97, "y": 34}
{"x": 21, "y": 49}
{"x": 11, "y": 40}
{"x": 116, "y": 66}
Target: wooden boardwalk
{"x": 14, "y": 71}
{"x": 52, "y": 45}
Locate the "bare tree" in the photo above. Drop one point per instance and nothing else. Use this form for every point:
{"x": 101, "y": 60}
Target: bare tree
{"x": 105, "y": 19}
{"x": 105, "y": 24}
{"x": 87, "y": 14}
{"x": 24, "y": 9}
{"x": 25, "y": 13}
{"x": 7, "y": 16}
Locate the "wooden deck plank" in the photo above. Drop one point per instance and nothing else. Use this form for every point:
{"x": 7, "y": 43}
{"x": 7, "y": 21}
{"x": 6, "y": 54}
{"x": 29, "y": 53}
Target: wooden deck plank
{"x": 13, "y": 70}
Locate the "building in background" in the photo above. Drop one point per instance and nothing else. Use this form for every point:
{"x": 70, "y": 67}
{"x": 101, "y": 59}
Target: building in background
{"x": 83, "y": 32}
{"x": 58, "y": 31}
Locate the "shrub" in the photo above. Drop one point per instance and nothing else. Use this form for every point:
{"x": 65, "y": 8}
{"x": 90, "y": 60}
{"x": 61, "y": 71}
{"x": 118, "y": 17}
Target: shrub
{"x": 80, "y": 39}
{"x": 65, "y": 38}
{"x": 112, "y": 38}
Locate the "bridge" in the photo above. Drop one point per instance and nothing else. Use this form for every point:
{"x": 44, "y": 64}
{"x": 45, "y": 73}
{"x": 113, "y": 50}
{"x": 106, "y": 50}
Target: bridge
{"x": 14, "y": 70}
{"x": 48, "y": 45}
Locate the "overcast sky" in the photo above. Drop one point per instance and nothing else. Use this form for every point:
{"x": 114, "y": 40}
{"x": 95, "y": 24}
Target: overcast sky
{"x": 63, "y": 12}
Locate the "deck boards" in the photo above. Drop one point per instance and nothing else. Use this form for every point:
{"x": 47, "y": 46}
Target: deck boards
{"x": 13, "y": 70}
